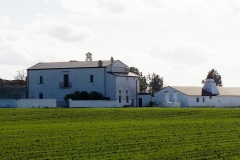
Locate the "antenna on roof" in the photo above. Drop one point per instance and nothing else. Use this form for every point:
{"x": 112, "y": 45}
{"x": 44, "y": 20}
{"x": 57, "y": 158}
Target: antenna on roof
{"x": 89, "y": 56}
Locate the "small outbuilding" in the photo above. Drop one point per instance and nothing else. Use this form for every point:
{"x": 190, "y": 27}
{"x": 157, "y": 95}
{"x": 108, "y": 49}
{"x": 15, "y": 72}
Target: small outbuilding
{"x": 207, "y": 96}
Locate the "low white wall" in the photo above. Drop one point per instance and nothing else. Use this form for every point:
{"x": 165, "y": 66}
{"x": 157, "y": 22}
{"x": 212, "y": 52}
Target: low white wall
{"x": 94, "y": 103}
{"x": 226, "y": 101}
{"x": 172, "y": 104}
{"x": 8, "y": 103}
{"x": 36, "y": 103}
{"x": 215, "y": 101}
{"x": 27, "y": 103}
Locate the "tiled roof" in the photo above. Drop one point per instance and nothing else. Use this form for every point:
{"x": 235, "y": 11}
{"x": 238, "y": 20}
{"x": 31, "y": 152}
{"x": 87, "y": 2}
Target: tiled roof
{"x": 77, "y": 64}
{"x": 191, "y": 91}
{"x": 229, "y": 91}
{"x": 197, "y": 91}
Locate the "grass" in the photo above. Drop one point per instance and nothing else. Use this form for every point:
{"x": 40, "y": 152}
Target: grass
{"x": 126, "y": 133}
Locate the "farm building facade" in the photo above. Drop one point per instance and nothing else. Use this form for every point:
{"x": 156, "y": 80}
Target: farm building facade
{"x": 207, "y": 96}
{"x": 53, "y": 81}
{"x": 111, "y": 78}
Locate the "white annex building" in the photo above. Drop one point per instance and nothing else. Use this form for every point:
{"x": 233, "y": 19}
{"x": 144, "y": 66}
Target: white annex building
{"x": 109, "y": 77}
{"x": 207, "y": 96}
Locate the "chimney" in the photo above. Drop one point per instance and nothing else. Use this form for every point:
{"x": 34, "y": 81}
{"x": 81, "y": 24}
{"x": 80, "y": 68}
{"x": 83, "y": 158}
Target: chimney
{"x": 111, "y": 63}
{"x": 100, "y": 63}
{"x": 111, "y": 60}
{"x": 89, "y": 56}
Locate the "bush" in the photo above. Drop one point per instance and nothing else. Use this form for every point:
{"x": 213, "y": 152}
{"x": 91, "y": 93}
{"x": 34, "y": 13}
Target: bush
{"x": 151, "y": 104}
{"x": 84, "y": 95}
{"x": 96, "y": 96}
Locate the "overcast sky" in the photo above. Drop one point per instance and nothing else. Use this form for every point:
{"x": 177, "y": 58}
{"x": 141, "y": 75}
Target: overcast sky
{"x": 181, "y": 40}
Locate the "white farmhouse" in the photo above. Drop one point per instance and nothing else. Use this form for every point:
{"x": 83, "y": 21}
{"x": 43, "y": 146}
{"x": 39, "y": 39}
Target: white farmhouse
{"x": 109, "y": 77}
{"x": 207, "y": 96}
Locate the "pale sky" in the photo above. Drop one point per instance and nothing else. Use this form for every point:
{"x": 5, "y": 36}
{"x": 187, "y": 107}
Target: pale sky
{"x": 181, "y": 40}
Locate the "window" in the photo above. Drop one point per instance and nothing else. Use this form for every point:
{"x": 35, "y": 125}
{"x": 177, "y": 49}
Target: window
{"x": 197, "y": 99}
{"x": 91, "y": 78}
{"x": 127, "y": 100}
{"x": 41, "y": 79}
{"x": 203, "y": 99}
{"x": 210, "y": 97}
{"x": 65, "y": 80}
{"x": 119, "y": 91}
{"x": 120, "y": 99}
{"x": 65, "y": 84}
{"x": 126, "y": 91}
{"x": 40, "y": 95}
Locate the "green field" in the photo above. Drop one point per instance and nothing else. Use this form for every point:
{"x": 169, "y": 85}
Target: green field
{"x": 126, "y": 133}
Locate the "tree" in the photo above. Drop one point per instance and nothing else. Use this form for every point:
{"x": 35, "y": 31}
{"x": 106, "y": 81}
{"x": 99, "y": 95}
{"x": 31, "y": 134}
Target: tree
{"x": 21, "y": 75}
{"x": 143, "y": 84}
{"x": 213, "y": 74}
{"x": 134, "y": 70}
{"x": 142, "y": 79}
{"x": 155, "y": 83}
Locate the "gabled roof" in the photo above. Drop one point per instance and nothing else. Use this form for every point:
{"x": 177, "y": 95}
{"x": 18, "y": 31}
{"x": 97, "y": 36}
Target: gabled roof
{"x": 63, "y": 65}
{"x": 197, "y": 91}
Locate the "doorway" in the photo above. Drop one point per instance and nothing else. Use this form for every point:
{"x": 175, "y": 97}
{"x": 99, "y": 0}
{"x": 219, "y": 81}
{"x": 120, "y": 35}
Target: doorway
{"x": 140, "y": 102}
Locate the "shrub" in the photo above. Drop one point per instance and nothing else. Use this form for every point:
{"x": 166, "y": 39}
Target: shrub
{"x": 96, "y": 96}
{"x": 84, "y": 95}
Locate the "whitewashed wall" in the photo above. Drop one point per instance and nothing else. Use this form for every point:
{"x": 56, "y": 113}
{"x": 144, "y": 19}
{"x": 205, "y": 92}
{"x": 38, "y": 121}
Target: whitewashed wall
{"x": 111, "y": 86}
{"x": 127, "y": 86}
{"x": 159, "y": 97}
{"x": 79, "y": 80}
{"x": 145, "y": 99}
{"x": 36, "y": 103}
{"x": 8, "y": 103}
{"x": 117, "y": 66}
{"x": 27, "y": 103}
{"x": 191, "y": 101}
{"x": 172, "y": 104}
{"x": 215, "y": 101}
{"x": 94, "y": 103}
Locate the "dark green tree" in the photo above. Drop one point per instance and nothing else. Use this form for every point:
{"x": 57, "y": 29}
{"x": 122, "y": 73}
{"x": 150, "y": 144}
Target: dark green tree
{"x": 155, "y": 83}
{"x": 134, "y": 70}
{"x": 142, "y": 79}
{"x": 143, "y": 84}
{"x": 213, "y": 74}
